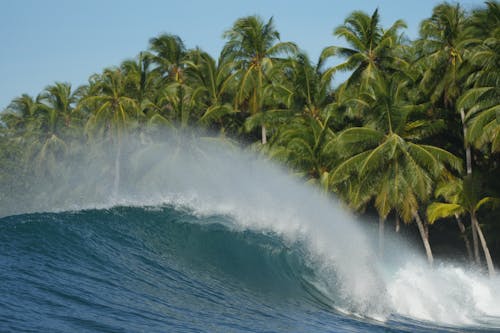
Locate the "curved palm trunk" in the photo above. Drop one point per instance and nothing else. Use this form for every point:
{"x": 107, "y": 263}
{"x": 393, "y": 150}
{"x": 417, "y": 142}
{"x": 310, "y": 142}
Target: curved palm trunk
{"x": 461, "y": 227}
{"x": 468, "y": 162}
{"x": 381, "y": 222}
{"x": 425, "y": 238}
{"x": 489, "y": 261}
{"x": 264, "y": 135}
{"x": 475, "y": 244}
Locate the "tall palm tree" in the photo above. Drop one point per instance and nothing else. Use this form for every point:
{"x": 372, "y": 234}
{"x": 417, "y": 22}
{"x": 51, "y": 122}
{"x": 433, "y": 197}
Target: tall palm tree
{"x": 254, "y": 46}
{"x": 169, "y": 54}
{"x": 114, "y": 112}
{"x": 386, "y": 162}
{"x": 371, "y": 49}
{"x": 482, "y": 95}
{"x": 441, "y": 52}
{"x": 464, "y": 196}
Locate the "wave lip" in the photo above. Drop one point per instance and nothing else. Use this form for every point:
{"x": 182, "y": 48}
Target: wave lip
{"x": 236, "y": 221}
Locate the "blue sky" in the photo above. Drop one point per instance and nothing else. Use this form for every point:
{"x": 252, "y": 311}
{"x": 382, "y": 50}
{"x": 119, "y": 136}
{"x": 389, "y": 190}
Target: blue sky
{"x": 43, "y": 41}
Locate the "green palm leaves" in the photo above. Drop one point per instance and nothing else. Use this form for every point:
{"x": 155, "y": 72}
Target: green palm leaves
{"x": 464, "y": 196}
{"x": 384, "y": 162}
{"x": 371, "y": 49}
{"x": 384, "y": 139}
{"x": 442, "y": 52}
{"x": 112, "y": 109}
{"x": 482, "y": 96}
{"x": 253, "y": 47}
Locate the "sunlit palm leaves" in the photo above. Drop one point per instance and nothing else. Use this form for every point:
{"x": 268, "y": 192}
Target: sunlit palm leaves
{"x": 371, "y": 49}
{"x": 463, "y": 196}
{"x": 253, "y": 46}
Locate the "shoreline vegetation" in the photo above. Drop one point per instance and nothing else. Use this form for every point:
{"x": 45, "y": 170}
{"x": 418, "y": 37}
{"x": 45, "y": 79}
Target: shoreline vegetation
{"x": 412, "y": 135}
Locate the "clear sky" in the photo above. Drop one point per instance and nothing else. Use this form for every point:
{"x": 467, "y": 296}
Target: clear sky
{"x": 43, "y": 41}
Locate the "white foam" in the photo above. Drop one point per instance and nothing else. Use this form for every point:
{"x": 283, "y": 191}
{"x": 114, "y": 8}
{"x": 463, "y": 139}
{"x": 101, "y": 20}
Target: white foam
{"x": 261, "y": 197}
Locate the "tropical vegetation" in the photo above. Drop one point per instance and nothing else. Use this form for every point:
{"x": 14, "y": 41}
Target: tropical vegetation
{"x": 412, "y": 135}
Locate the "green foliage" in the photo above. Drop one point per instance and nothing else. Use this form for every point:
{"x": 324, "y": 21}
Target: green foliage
{"x": 387, "y": 138}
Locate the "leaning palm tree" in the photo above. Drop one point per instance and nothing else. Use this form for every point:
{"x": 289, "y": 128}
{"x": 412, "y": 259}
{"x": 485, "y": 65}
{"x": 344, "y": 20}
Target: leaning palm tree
{"x": 370, "y": 50}
{"x": 385, "y": 162}
{"x": 253, "y": 46}
{"x": 464, "y": 196}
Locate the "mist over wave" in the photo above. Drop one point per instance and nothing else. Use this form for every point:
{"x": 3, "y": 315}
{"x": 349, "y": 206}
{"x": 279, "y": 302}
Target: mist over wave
{"x": 207, "y": 178}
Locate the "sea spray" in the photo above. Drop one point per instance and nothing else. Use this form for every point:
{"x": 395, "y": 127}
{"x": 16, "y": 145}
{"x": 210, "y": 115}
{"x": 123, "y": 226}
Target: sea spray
{"x": 208, "y": 177}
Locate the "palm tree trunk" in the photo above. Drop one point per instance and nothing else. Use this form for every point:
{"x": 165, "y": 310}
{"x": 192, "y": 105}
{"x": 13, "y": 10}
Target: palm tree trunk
{"x": 425, "y": 238}
{"x": 398, "y": 225}
{"x": 475, "y": 243}
{"x": 264, "y": 134}
{"x": 117, "y": 169}
{"x": 468, "y": 162}
{"x": 489, "y": 261}
{"x": 381, "y": 222}
{"x": 461, "y": 227}
{"x": 468, "y": 152}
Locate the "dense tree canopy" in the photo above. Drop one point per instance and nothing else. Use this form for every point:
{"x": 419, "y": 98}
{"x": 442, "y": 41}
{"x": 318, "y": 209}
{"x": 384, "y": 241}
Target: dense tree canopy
{"x": 412, "y": 118}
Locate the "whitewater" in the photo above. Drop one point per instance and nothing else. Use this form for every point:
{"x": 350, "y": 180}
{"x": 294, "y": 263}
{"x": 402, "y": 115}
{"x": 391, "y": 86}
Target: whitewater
{"x": 203, "y": 237}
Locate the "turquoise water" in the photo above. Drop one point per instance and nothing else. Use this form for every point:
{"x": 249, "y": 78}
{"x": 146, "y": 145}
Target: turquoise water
{"x": 168, "y": 269}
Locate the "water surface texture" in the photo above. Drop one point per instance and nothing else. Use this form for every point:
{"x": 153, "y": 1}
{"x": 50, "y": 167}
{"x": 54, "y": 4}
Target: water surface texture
{"x": 216, "y": 242}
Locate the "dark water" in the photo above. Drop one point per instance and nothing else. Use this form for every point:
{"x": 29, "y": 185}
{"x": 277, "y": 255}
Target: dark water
{"x": 164, "y": 270}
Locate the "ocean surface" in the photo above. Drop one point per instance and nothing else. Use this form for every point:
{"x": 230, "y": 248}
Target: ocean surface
{"x": 210, "y": 240}
{"x": 168, "y": 269}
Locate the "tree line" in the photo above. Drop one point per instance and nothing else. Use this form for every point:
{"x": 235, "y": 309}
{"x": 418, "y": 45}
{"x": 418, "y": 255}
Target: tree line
{"x": 413, "y": 133}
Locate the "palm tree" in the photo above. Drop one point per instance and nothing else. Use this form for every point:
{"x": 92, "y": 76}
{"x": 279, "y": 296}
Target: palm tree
{"x": 58, "y": 122}
{"x": 441, "y": 52}
{"x": 213, "y": 86}
{"x": 386, "y": 163}
{"x": 310, "y": 89}
{"x": 168, "y": 54}
{"x": 113, "y": 112}
{"x": 140, "y": 80}
{"x": 253, "y": 46}
{"x": 463, "y": 196}
{"x": 60, "y": 101}
{"x": 307, "y": 145}
{"x": 20, "y": 115}
{"x": 371, "y": 49}
{"x": 482, "y": 95}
